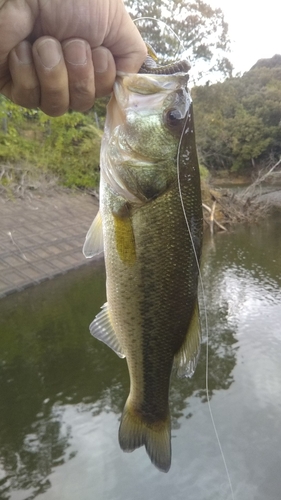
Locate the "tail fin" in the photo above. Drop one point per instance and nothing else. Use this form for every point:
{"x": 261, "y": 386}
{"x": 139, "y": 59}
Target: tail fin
{"x": 135, "y": 432}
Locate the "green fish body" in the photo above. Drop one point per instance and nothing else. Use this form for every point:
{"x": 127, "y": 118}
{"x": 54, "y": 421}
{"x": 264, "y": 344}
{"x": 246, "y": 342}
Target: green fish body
{"x": 150, "y": 227}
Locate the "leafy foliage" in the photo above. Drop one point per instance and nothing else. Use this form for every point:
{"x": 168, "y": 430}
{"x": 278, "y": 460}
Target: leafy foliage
{"x": 67, "y": 146}
{"x": 238, "y": 127}
{"x": 238, "y": 122}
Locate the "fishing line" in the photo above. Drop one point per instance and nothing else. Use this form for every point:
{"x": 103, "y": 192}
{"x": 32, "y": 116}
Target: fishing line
{"x": 205, "y": 311}
{"x": 180, "y": 45}
{"x": 165, "y": 25}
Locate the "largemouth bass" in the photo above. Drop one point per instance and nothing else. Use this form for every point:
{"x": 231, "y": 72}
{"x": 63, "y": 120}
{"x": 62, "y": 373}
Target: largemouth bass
{"x": 150, "y": 227}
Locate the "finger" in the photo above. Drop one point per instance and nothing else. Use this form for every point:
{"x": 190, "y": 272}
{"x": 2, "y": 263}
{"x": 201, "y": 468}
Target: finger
{"x": 16, "y": 21}
{"x": 81, "y": 78}
{"x": 126, "y": 43}
{"x": 105, "y": 71}
{"x": 25, "y": 89}
{"x": 52, "y": 75}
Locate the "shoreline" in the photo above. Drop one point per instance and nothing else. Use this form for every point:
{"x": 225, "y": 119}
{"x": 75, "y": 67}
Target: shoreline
{"x": 42, "y": 236}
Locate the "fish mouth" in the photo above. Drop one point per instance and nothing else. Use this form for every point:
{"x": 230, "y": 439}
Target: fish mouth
{"x": 130, "y": 89}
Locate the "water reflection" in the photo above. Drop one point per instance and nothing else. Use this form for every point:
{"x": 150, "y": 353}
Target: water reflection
{"x": 62, "y": 392}
{"x": 45, "y": 354}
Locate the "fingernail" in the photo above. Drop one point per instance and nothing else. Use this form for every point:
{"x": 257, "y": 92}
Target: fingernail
{"x": 49, "y": 53}
{"x": 75, "y": 52}
{"x": 100, "y": 60}
{"x": 23, "y": 52}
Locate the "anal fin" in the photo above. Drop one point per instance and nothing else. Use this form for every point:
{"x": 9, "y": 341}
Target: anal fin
{"x": 102, "y": 329}
{"x": 186, "y": 359}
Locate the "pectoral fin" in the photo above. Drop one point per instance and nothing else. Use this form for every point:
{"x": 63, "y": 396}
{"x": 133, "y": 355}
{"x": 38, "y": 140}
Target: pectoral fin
{"x": 94, "y": 239}
{"x": 102, "y": 329}
{"x": 185, "y": 360}
{"x": 125, "y": 239}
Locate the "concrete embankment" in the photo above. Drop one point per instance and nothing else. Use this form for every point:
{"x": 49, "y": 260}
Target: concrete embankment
{"x": 41, "y": 237}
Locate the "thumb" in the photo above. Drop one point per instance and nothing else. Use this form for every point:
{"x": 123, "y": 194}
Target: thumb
{"x": 126, "y": 44}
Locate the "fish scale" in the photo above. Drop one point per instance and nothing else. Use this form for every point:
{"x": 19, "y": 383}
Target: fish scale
{"x": 147, "y": 203}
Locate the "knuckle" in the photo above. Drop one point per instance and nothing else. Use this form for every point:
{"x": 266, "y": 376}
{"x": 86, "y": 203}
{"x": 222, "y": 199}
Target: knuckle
{"x": 103, "y": 90}
{"x": 82, "y": 88}
{"x": 54, "y": 103}
{"x": 82, "y": 96}
{"x": 53, "y": 111}
{"x": 29, "y": 98}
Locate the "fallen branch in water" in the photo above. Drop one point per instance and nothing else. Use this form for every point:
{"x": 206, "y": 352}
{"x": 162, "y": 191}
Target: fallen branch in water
{"x": 212, "y": 218}
{"x": 250, "y": 190}
{"x": 228, "y": 207}
{"x": 233, "y": 209}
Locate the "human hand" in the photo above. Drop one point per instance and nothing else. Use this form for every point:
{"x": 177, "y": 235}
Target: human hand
{"x": 61, "y": 54}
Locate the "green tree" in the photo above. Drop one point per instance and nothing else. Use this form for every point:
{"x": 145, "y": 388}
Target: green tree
{"x": 201, "y": 29}
{"x": 238, "y": 122}
{"x": 248, "y": 139}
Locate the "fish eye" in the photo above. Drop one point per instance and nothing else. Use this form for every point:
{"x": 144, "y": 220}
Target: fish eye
{"x": 173, "y": 117}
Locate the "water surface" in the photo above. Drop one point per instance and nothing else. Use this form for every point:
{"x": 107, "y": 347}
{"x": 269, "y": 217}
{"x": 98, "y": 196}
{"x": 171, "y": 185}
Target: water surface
{"x": 62, "y": 391}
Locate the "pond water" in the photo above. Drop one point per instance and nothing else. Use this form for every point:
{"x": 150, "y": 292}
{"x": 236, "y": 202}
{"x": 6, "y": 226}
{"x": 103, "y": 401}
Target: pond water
{"x": 62, "y": 391}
